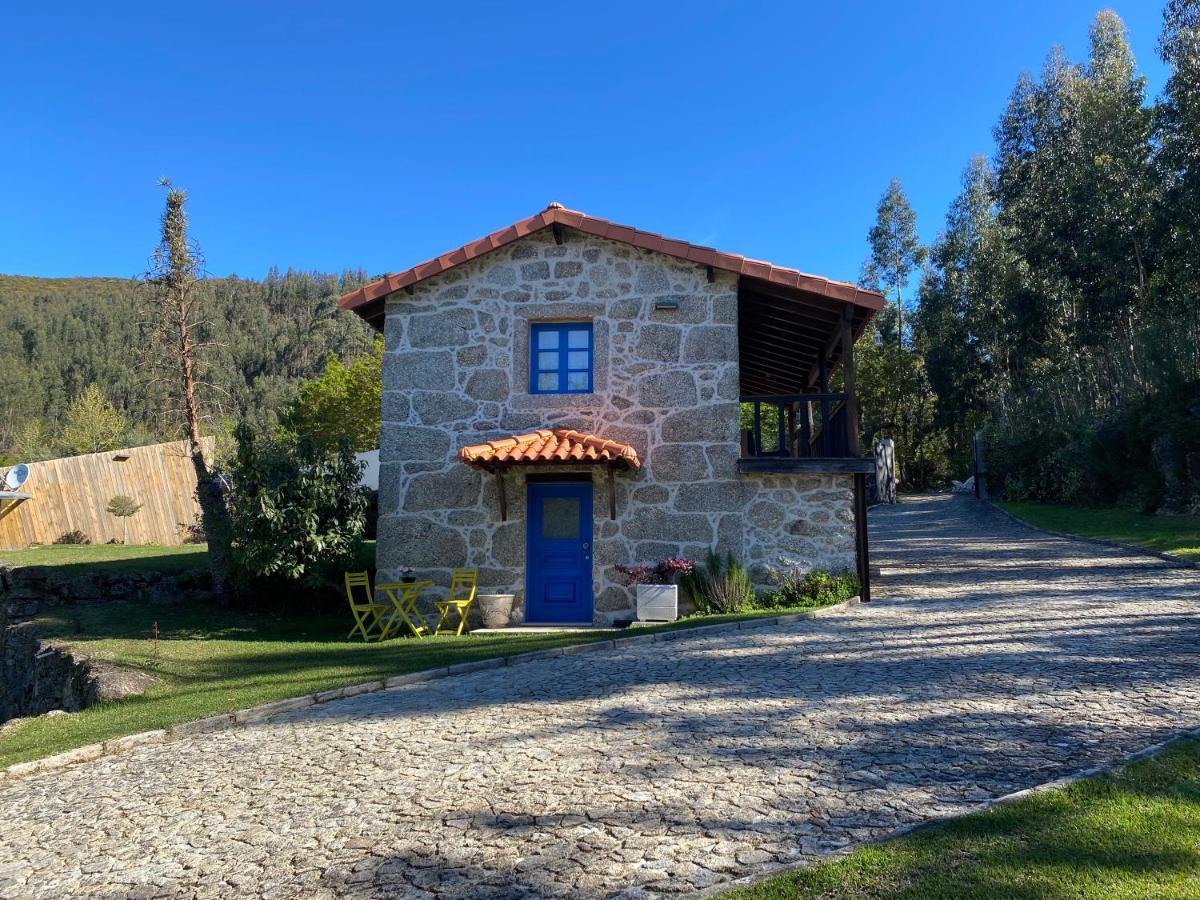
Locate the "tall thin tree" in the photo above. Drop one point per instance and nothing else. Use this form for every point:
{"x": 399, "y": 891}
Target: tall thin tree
{"x": 896, "y": 250}
{"x": 174, "y": 345}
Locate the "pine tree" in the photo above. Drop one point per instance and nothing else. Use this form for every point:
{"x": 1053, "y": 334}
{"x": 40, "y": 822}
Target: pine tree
{"x": 173, "y": 327}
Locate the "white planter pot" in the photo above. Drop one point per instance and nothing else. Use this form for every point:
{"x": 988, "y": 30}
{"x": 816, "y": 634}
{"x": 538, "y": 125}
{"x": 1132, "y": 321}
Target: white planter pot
{"x": 495, "y": 610}
{"x": 657, "y": 602}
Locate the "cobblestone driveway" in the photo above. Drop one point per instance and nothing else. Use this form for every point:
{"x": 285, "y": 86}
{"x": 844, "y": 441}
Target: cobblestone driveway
{"x": 996, "y": 658}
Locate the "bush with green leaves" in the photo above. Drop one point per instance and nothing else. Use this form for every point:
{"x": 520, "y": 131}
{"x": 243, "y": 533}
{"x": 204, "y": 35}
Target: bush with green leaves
{"x": 297, "y": 511}
{"x": 342, "y": 404}
{"x": 810, "y": 590}
{"x": 718, "y": 585}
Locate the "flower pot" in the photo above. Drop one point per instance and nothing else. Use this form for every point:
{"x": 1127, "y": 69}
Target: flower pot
{"x": 657, "y": 602}
{"x": 495, "y": 610}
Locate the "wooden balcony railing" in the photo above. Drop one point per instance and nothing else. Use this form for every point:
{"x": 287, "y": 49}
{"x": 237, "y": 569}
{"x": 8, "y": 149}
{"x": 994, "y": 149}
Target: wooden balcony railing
{"x": 800, "y": 427}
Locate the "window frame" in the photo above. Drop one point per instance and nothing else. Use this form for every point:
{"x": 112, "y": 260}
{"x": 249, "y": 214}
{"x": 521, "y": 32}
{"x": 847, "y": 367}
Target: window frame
{"x": 563, "y": 369}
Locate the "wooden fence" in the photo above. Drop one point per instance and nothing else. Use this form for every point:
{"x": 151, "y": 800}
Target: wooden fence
{"x": 71, "y": 494}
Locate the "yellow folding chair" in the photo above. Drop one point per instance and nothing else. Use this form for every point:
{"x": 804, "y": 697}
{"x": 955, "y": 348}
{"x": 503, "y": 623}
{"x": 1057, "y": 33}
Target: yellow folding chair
{"x": 368, "y": 615}
{"x": 460, "y": 598}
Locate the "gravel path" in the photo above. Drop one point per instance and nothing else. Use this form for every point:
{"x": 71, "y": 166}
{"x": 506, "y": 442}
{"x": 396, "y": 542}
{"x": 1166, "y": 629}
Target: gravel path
{"x": 995, "y": 658}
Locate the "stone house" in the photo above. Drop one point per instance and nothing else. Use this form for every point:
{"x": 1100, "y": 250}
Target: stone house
{"x": 568, "y": 394}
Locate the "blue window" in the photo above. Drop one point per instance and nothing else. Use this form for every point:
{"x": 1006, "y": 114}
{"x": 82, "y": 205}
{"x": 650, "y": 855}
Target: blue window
{"x": 560, "y": 358}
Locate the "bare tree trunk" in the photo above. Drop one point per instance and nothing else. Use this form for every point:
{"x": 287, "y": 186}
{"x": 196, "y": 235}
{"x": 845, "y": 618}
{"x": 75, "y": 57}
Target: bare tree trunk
{"x": 175, "y": 273}
{"x": 208, "y": 488}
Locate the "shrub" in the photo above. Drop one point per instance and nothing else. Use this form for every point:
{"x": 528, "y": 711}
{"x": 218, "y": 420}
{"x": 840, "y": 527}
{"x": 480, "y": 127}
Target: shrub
{"x": 297, "y": 512}
{"x": 665, "y": 571}
{"x": 193, "y": 533}
{"x": 812, "y": 589}
{"x": 719, "y": 586}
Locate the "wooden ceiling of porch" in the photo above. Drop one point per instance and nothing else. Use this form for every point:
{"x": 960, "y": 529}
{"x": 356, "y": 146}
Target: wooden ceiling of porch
{"x": 783, "y": 333}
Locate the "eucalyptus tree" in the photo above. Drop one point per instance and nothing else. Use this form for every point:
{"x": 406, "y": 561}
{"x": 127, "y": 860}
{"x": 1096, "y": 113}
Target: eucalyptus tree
{"x": 1075, "y": 194}
{"x": 959, "y": 326}
{"x": 896, "y": 249}
{"x": 1178, "y": 161}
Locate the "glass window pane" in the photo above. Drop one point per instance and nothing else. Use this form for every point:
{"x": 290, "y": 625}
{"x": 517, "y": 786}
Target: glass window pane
{"x": 547, "y": 381}
{"x": 547, "y": 360}
{"x": 578, "y": 359}
{"x": 547, "y": 339}
{"x": 577, "y": 381}
{"x": 560, "y": 518}
{"x": 577, "y": 337}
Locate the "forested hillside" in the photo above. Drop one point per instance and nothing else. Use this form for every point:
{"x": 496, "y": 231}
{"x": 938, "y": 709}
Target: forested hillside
{"x": 59, "y": 336}
{"x": 1059, "y": 309}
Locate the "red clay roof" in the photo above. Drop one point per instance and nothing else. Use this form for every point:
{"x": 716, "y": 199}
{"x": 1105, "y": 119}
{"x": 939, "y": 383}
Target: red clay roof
{"x": 560, "y": 445}
{"x": 368, "y": 301}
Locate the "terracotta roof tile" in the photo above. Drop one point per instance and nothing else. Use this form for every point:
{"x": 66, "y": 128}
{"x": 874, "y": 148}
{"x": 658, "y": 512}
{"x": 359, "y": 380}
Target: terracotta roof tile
{"x": 368, "y": 301}
{"x": 558, "y": 445}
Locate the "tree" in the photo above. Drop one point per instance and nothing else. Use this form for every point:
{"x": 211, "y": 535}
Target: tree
{"x": 297, "y": 510}
{"x": 91, "y": 424}
{"x": 1178, "y": 162}
{"x": 896, "y": 250}
{"x": 123, "y": 508}
{"x": 896, "y": 401}
{"x": 1075, "y": 194}
{"x": 343, "y": 404}
{"x": 173, "y": 329}
{"x": 31, "y": 443}
{"x": 959, "y": 327}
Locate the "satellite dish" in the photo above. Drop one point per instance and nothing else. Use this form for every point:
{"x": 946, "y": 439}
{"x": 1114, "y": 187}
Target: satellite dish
{"x": 16, "y": 476}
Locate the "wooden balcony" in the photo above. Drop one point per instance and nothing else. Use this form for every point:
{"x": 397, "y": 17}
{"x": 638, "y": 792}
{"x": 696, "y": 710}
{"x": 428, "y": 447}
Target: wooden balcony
{"x": 800, "y": 433}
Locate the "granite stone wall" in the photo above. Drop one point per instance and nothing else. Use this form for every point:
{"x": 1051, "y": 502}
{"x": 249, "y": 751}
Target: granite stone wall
{"x": 456, "y": 372}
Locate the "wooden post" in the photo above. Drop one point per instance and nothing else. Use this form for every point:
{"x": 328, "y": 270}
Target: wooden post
{"x": 862, "y": 552}
{"x": 980, "y": 473}
{"x": 823, "y": 384}
{"x": 848, "y": 380}
{"x": 806, "y": 429}
{"x": 757, "y": 450}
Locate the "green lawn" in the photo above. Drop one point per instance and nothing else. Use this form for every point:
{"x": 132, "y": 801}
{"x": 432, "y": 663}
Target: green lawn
{"x": 78, "y": 558}
{"x": 1179, "y": 535}
{"x": 211, "y": 660}
{"x": 1135, "y": 833}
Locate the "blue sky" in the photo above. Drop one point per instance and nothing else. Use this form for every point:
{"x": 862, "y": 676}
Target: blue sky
{"x": 335, "y": 135}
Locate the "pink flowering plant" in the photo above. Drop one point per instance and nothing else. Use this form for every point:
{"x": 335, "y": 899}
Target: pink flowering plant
{"x": 665, "y": 571}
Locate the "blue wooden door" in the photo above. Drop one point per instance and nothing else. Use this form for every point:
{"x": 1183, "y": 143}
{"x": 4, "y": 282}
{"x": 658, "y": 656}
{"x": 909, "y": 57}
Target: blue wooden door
{"x": 558, "y": 571}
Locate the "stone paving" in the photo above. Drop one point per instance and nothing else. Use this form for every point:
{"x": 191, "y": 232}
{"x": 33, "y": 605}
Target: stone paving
{"x": 995, "y": 658}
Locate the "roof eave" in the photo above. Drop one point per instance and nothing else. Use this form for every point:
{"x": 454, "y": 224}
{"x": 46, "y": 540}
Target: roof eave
{"x": 370, "y": 300}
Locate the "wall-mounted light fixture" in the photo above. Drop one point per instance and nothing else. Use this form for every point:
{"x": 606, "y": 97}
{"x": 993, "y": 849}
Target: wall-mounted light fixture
{"x": 666, "y": 304}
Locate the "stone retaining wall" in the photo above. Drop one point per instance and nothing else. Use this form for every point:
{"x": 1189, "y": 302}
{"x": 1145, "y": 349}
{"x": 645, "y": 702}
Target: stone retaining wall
{"x": 38, "y": 676}
{"x": 28, "y": 590}
{"x": 666, "y": 381}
